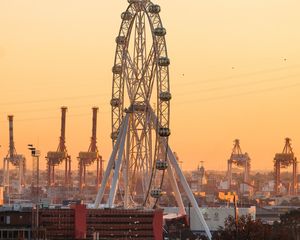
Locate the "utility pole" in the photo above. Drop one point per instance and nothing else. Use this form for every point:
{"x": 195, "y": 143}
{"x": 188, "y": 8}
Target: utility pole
{"x": 35, "y": 158}
{"x": 236, "y": 217}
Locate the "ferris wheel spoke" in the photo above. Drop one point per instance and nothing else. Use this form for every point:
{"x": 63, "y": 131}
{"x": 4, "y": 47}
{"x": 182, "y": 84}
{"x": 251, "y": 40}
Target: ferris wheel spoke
{"x": 131, "y": 74}
{"x": 140, "y": 41}
{"x": 147, "y": 73}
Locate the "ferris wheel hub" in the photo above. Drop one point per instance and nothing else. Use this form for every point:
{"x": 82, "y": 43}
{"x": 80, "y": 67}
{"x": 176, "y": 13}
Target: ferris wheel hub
{"x": 137, "y": 107}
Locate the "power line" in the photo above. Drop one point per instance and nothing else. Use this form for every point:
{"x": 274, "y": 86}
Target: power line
{"x": 186, "y": 93}
{"x": 105, "y": 102}
{"x": 55, "y": 117}
{"x": 188, "y": 101}
{"x": 240, "y": 85}
{"x": 265, "y": 71}
{"x": 241, "y": 94}
{"x": 54, "y": 109}
{"x": 52, "y": 99}
{"x": 56, "y": 85}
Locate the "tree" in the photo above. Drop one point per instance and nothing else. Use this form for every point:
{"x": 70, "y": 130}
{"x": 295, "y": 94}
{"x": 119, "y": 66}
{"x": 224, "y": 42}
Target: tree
{"x": 290, "y": 222}
{"x": 248, "y": 229}
{"x": 245, "y": 229}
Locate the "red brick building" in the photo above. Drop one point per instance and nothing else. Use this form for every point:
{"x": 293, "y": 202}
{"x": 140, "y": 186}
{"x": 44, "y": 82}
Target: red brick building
{"x": 77, "y": 222}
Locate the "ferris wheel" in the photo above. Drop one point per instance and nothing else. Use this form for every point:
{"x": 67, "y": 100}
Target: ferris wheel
{"x": 140, "y": 104}
{"x": 141, "y": 79}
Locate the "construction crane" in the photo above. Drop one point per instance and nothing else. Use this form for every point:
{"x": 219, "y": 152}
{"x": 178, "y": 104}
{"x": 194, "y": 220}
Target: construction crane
{"x": 55, "y": 158}
{"x": 241, "y": 160}
{"x": 17, "y": 160}
{"x": 284, "y": 160}
{"x": 92, "y": 155}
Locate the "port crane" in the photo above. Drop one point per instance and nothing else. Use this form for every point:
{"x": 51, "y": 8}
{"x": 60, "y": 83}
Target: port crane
{"x": 14, "y": 159}
{"x": 55, "y": 158}
{"x": 283, "y": 160}
{"x": 239, "y": 159}
{"x": 86, "y": 159}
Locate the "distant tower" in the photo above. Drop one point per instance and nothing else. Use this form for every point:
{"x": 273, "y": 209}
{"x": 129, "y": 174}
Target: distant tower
{"x": 239, "y": 159}
{"x": 61, "y": 154}
{"x": 201, "y": 174}
{"x": 284, "y": 160}
{"x": 178, "y": 159}
{"x": 15, "y": 159}
{"x": 88, "y": 158}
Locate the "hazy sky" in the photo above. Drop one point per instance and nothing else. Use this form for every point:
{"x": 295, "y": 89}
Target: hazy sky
{"x": 235, "y": 73}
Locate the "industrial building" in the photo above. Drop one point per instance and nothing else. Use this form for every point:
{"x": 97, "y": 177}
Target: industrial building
{"x": 78, "y": 222}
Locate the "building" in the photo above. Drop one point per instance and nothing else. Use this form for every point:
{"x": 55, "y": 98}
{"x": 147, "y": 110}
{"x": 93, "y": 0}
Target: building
{"x": 214, "y": 216}
{"x": 78, "y": 222}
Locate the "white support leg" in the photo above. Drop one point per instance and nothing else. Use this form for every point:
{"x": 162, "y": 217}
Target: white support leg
{"x": 183, "y": 181}
{"x": 126, "y": 173}
{"x": 108, "y": 170}
{"x": 113, "y": 189}
{"x": 175, "y": 188}
{"x": 188, "y": 191}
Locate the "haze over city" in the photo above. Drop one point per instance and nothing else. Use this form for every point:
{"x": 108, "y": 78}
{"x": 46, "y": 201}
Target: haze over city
{"x": 234, "y": 73}
{"x": 150, "y": 120}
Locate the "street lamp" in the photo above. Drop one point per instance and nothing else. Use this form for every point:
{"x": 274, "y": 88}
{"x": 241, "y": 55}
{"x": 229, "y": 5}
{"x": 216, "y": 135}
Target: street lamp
{"x": 35, "y": 156}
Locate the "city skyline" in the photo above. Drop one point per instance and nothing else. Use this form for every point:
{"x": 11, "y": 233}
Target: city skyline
{"x": 232, "y": 76}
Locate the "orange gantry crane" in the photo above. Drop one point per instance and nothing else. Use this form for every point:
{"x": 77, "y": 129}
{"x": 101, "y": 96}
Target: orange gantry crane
{"x": 283, "y": 160}
{"x": 92, "y": 155}
{"x": 55, "y": 158}
{"x": 15, "y": 159}
{"x": 239, "y": 159}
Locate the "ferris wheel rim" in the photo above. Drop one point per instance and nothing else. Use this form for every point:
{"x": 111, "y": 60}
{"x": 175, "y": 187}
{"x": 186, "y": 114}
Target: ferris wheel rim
{"x": 119, "y": 110}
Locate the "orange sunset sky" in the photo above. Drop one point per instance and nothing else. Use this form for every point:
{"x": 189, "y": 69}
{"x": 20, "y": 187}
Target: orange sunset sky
{"x": 234, "y": 73}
